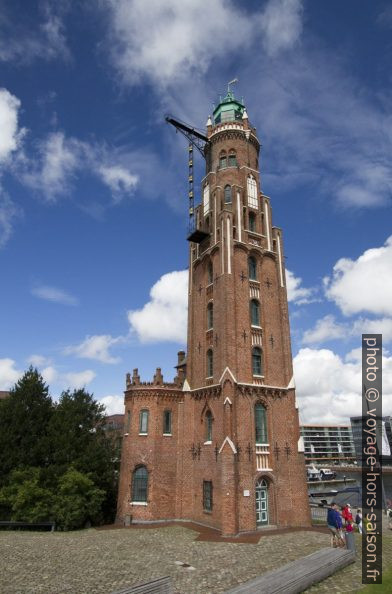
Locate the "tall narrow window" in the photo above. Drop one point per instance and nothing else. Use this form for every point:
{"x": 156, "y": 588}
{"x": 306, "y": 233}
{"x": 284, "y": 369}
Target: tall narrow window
{"x": 255, "y": 313}
{"x": 260, "y": 424}
{"x": 140, "y": 485}
{"x": 222, "y": 160}
{"x": 252, "y": 192}
{"x": 128, "y": 424}
{"x": 232, "y": 159}
{"x": 210, "y": 273}
{"x": 252, "y": 266}
{"x": 208, "y": 425}
{"x": 206, "y": 198}
{"x": 210, "y": 316}
{"x": 227, "y": 194}
{"x": 143, "y": 422}
{"x": 252, "y": 221}
{"x": 210, "y": 363}
{"x": 167, "y": 422}
{"x": 207, "y": 495}
{"x": 257, "y": 367}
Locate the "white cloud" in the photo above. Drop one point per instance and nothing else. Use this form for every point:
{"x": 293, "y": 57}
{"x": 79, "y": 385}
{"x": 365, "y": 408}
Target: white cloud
{"x": 118, "y": 179}
{"x": 79, "y": 379}
{"x": 9, "y": 211}
{"x": 325, "y": 329}
{"x": 364, "y": 284}
{"x": 96, "y": 348}
{"x": 38, "y": 360}
{"x": 48, "y": 42}
{"x": 114, "y": 404}
{"x": 164, "y": 317}
{"x": 333, "y": 393}
{"x": 281, "y": 24}
{"x": 59, "y": 159}
{"x": 295, "y": 292}
{"x": 54, "y": 294}
{"x": 159, "y": 40}
{"x": 49, "y": 374}
{"x": 9, "y": 375}
{"x": 11, "y": 135}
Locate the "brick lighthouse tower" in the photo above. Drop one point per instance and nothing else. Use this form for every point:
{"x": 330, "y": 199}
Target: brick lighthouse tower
{"x": 219, "y": 446}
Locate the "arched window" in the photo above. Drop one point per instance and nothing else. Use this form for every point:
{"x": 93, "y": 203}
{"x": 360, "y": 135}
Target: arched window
{"x": 143, "y": 422}
{"x": 140, "y": 485}
{"x": 227, "y": 194}
{"x": 252, "y": 192}
{"x": 210, "y": 273}
{"x": 210, "y": 363}
{"x": 260, "y": 424}
{"x": 252, "y": 268}
{"x": 210, "y": 316}
{"x": 252, "y": 221}
{"x": 222, "y": 160}
{"x": 208, "y": 425}
{"x": 232, "y": 159}
{"x": 255, "y": 312}
{"x": 257, "y": 367}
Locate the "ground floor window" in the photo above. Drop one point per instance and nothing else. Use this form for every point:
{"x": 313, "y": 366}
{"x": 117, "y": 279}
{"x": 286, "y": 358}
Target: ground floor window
{"x": 140, "y": 485}
{"x": 207, "y": 495}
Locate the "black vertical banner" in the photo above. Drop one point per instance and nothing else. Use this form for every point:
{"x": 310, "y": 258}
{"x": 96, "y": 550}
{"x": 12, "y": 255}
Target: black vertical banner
{"x": 371, "y": 458}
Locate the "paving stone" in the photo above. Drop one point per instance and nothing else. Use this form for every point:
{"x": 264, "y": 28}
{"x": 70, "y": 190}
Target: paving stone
{"x": 101, "y": 561}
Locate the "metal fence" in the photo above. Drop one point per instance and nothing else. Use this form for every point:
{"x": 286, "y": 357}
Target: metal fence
{"x": 319, "y": 514}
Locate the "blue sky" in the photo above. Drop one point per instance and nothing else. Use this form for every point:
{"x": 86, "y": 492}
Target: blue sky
{"x": 93, "y": 182}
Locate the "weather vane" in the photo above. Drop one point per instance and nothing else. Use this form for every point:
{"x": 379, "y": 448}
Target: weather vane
{"x": 232, "y": 82}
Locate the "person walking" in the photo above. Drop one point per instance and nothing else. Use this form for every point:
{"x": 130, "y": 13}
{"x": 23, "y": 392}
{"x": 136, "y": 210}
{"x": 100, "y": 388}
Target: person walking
{"x": 335, "y": 525}
{"x": 358, "y": 521}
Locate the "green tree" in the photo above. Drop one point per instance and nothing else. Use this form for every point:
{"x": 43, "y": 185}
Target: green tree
{"x": 78, "y": 439}
{"x": 78, "y": 501}
{"x": 25, "y": 498}
{"x": 24, "y": 421}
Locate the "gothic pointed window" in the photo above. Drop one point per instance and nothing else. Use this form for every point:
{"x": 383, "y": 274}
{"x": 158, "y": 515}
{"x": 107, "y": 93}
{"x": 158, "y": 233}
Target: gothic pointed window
{"x": 252, "y": 268}
{"x": 210, "y": 316}
{"x": 252, "y": 221}
{"x": 252, "y": 192}
{"x": 227, "y": 194}
{"x": 222, "y": 160}
{"x": 232, "y": 159}
{"x": 257, "y": 366}
{"x": 206, "y": 198}
{"x": 140, "y": 485}
{"x": 208, "y": 425}
{"x": 260, "y": 424}
{"x": 210, "y": 273}
{"x": 255, "y": 312}
{"x": 210, "y": 363}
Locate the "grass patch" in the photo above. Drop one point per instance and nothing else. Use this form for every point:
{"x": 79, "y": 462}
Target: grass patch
{"x": 386, "y": 585}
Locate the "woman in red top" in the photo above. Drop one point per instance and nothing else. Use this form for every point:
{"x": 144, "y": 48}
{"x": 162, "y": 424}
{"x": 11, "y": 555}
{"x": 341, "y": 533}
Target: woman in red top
{"x": 346, "y": 514}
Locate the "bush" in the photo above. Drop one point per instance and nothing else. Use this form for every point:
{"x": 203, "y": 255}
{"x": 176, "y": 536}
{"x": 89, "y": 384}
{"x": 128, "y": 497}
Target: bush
{"x": 78, "y": 501}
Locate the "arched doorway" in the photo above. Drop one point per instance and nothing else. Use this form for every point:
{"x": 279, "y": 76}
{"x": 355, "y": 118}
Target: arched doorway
{"x": 262, "y": 518}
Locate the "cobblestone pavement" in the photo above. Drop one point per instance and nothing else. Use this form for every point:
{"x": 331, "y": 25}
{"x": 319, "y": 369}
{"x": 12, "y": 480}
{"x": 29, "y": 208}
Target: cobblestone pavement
{"x": 100, "y": 561}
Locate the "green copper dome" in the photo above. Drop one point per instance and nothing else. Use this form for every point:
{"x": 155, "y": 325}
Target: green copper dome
{"x": 229, "y": 109}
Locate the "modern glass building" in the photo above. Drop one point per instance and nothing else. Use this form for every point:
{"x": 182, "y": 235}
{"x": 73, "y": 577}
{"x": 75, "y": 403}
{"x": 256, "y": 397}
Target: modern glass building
{"x": 328, "y": 444}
